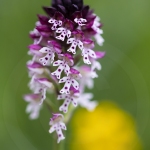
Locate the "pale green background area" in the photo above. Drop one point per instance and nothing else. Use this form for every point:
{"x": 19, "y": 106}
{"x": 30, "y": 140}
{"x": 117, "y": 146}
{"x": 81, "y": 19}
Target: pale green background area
{"x": 124, "y": 79}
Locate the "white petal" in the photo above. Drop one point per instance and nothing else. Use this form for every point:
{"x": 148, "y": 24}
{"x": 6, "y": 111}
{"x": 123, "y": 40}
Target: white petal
{"x": 43, "y": 95}
{"x": 74, "y": 102}
{"x": 46, "y": 58}
{"x": 80, "y": 44}
{"x": 54, "y": 27}
{"x": 86, "y": 58}
{"x": 34, "y": 115}
{"x": 62, "y": 96}
{"x": 35, "y": 112}
{"x": 51, "y": 20}
{"x": 60, "y": 30}
{"x": 96, "y": 65}
{"x": 70, "y": 40}
{"x": 76, "y": 20}
{"x": 68, "y": 33}
{"x": 66, "y": 87}
{"x": 64, "y": 106}
{"x": 64, "y": 79}
{"x": 83, "y": 20}
{"x": 91, "y": 53}
{"x": 99, "y": 39}
{"x": 60, "y": 135}
{"x": 52, "y": 129}
{"x": 67, "y": 69}
{"x": 58, "y": 63}
{"x": 80, "y": 21}
{"x": 59, "y": 22}
{"x": 45, "y": 50}
{"x": 94, "y": 74}
{"x": 90, "y": 83}
{"x": 29, "y": 108}
{"x": 58, "y": 72}
{"x": 73, "y": 47}
{"x": 62, "y": 126}
{"x": 75, "y": 84}
{"x": 61, "y": 37}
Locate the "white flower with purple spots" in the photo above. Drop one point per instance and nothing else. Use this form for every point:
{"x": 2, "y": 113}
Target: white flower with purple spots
{"x": 76, "y": 41}
{"x": 42, "y": 85}
{"x": 68, "y": 98}
{"x": 95, "y": 64}
{"x": 86, "y": 80}
{"x": 56, "y": 21}
{"x": 70, "y": 80}
{"x": 34, "y": 51}
{"x": 33, "y": 107}
{"x": 35, "y": 34}
{"x": 87, "y": 51}
{"x": 65, "y": 30}
{"x": 61, "y": 40}
{"x": 99, "y": 31}
{"x": 36, "y": 68}
{"x": 63, "y": 65}
{"x": 53, "y": 47}
{"x": 56, "y": 123}
{"x": 80, "y": 21}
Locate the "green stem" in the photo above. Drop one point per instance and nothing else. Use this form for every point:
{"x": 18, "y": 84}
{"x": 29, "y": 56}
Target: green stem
{"x": 62, "y": 145}
{"x": 48, "y": 106}
{"x": 68, "y": 116}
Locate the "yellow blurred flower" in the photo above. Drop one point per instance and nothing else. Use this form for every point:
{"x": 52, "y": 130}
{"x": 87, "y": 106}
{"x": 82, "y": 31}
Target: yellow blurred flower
{"x": 106, "y": 128}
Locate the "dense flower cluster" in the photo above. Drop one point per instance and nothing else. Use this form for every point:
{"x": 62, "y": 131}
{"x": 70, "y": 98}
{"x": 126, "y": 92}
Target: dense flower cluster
{"x": 61, "y": 40}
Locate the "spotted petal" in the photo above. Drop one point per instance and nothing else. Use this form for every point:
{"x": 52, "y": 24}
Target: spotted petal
{"x": 75, "y": 84}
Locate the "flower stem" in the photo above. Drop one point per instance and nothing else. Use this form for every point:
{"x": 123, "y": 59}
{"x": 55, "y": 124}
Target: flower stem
{"x": 62, "y": 145}
{"x": 48, "y": 106}
{"x": 69, "y": 114}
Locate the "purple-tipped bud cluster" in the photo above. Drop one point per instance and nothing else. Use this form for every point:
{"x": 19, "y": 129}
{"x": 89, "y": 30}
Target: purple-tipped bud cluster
{"x": 62, "y": 39}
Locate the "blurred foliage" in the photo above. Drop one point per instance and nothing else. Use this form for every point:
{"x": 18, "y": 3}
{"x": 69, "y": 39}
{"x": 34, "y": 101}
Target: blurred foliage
{"x": 124, "y": 77}
{"x": 107, "y": 128}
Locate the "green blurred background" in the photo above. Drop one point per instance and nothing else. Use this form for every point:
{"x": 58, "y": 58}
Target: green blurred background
{"x": 124, "y": 79}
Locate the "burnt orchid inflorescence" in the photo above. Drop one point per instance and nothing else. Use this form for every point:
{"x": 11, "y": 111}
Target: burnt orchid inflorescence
{"x": 62, "y": 40}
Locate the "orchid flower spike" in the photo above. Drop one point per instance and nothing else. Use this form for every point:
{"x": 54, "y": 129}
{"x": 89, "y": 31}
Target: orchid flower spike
{"x": 63, "y": 39}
